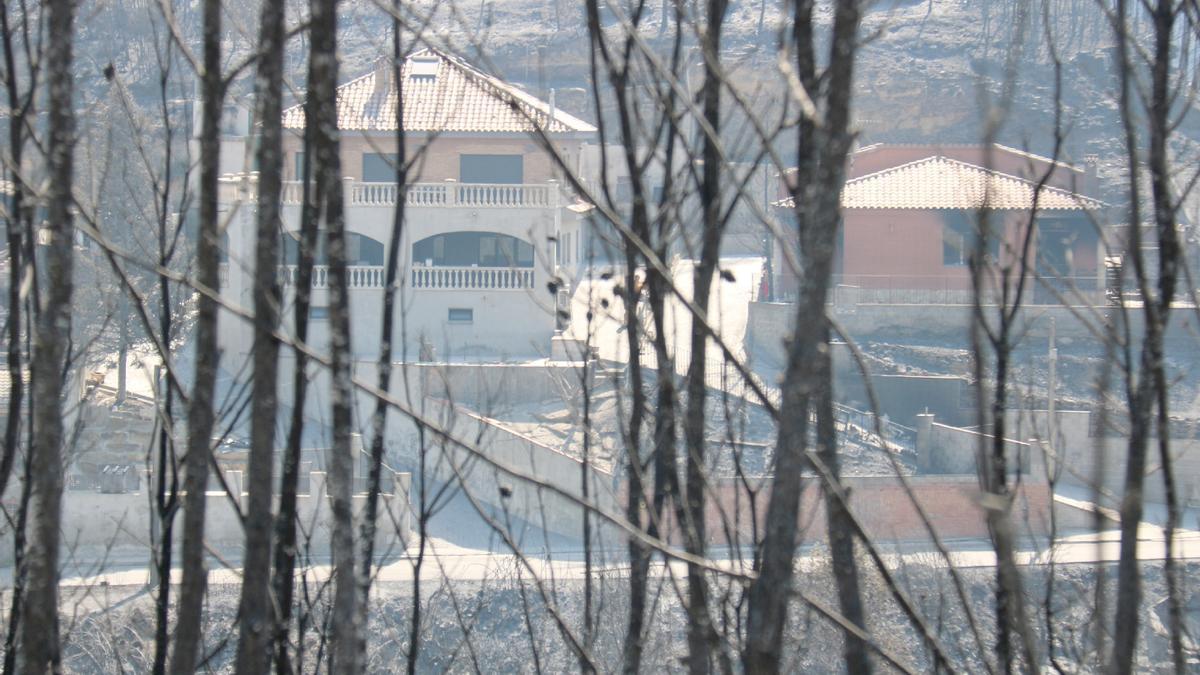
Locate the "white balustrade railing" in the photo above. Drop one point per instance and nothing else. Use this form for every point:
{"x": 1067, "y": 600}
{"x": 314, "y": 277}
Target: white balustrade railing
{"x": 356, "y": 276}
{"x": 473, "y": 278}
{"x": 441, "y": 195}
{"x": 373, "y": 194}
{"x": 292, "y": 192}
{"x": 501, "y": 196}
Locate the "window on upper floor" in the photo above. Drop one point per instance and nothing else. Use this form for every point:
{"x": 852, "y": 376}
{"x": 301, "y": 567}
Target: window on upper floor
{"x": 624, "y": 189}
{"x": 234, "y": 120}
{"x": 360, "y": 250}
{"x": 491, "y": 168}
{"x": 473, "y": 249}
{"x": 379, "y": 167}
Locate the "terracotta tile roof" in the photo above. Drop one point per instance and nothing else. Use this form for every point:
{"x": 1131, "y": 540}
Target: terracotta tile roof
{"x": 441, "y": 94}
{"x": 942, "y": 183}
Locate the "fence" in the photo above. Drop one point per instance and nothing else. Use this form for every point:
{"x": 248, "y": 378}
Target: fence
{"x": 439, "y": 195}
{"x": 356, "y": 276}
{"x": 472, "y": 278}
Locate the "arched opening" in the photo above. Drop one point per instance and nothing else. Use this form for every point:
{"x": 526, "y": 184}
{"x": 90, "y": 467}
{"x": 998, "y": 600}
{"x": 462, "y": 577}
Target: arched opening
{"x": 361, "y": 251}
{"x": 473, "y": 249}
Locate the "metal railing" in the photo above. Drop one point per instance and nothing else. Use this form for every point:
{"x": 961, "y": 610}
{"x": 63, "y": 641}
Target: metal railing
{"x": 473, "y": 278}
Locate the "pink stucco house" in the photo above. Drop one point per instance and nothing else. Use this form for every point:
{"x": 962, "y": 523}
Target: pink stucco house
{"x": 911, "y": 216}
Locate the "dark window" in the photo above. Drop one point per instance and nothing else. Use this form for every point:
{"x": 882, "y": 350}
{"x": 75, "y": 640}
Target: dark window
{"x": 231, "y": 121}
{"x": 958, "y": 238}
{"x": 379, "y": 168}
{"x": 624, "y": 190}
{"x": 954, "y": 245}
{"x": 461, "y": 315}
{"x": 473, "y": 249}
{"x": 491, "y": 169}
{"x": 360, "y": 250}
{"x": 1056, "y": 243}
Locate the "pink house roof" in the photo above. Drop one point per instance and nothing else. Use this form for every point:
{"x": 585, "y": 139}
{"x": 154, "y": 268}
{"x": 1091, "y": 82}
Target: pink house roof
{"x": 940, "y": 182}
{"x": 441, "y": 94}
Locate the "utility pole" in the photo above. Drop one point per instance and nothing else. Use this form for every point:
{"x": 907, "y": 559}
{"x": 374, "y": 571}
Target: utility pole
{"x": 123, "y": 351}
{"x": 1052, "y": 399}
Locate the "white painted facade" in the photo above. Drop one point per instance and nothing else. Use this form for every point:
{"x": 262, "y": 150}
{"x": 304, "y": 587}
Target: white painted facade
{"x": 511, "y": 310}
{"x": 497, "y": 308}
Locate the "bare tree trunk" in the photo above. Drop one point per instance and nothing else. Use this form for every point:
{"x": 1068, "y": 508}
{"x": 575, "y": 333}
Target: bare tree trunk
{"x": 344, "y": 653}
{"x": 379, "y": 419}
{"x": 200, "y": 407}
{"x": 816, "y": 193}
{"x": 20, "y": 570}
{"x": 17, "y": 224}
{"x": 701, "y": 634}
{"x": 840, "y": 530}
{"x": 256, "y": 623}
{"x": 1151, "y": 383}
{"x": 285, "y": 523}
{"x": 166, "y": 500}
{"x": 52, "y": 335}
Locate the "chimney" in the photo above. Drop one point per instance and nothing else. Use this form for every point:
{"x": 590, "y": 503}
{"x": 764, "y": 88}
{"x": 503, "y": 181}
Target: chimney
{"x": 383, "y": 74}
{"x": 1091, "y": 167}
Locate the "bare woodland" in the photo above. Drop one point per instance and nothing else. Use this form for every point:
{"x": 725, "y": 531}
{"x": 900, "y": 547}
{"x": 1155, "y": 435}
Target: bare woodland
{"x": 701, "y": 560}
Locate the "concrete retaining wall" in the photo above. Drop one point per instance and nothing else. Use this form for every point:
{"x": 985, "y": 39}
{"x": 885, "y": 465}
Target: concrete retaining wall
{"x": 94, "y": 521}
{"x": 944, "y": 449}
{"x": 770, "y": 323}
{"x": 884, "y": 508}
{"x": 549, "y": 500}
{"x": 1088, "y": 460}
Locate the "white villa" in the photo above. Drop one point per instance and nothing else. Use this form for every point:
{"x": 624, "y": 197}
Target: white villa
{"x": 488, "y": 219}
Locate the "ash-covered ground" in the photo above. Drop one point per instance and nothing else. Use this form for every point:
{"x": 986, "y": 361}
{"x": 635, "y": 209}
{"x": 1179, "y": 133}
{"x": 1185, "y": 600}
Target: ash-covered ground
{"x": 508, "y": 623}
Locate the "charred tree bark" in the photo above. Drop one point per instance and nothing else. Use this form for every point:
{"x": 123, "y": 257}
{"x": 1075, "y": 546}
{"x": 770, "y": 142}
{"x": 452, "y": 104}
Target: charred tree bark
{"x": 200, "y": 407}
{"x": 384, "y": 365}
{"x": 837, "y": 519}
{"x": 166, "y": 499}
{"x": 40, "y": 649}
{"x": 817, "y": 191}
{"x": 700, "y": 633}
{"x": 256, "y": 622}
{"x": 768, "y": 596}
{"x": 18, "y": 226}
{"x": 343, "y": 647}
{"x": 285, "y": 524}
{"x": 1149, "y": 389}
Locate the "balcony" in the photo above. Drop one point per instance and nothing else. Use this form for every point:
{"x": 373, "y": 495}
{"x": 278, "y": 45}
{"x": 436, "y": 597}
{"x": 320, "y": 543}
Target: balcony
{"x": 431, "y": 278}
{"x": 473, "y": 278}
{"x": 441, "y": 195}
{"x": 357, "y": 277}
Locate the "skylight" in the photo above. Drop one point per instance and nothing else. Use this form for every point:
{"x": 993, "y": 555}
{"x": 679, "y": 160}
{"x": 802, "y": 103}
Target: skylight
{"x": 423, "y": 66}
